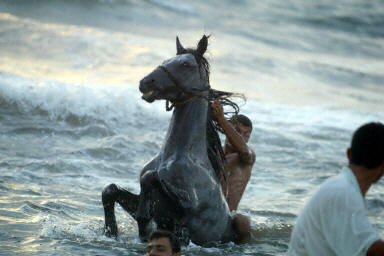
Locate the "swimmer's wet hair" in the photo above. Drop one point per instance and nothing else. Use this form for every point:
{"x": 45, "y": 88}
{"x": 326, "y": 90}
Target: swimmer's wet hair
{"x": 241, "y": 119}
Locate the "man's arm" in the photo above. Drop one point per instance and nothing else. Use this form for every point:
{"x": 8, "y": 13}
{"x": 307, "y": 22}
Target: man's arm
{"x": 236, "y": 140}
{"x": 376, "y": 249}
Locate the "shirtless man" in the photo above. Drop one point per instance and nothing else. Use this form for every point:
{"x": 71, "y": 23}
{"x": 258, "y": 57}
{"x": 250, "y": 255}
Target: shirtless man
{"x": 240, "y": 158}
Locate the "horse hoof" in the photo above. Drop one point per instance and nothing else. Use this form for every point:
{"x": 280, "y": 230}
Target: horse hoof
{"x": 109, "y": 232}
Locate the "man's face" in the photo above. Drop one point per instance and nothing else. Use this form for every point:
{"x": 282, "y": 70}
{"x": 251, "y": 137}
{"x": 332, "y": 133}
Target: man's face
{"x": 160, "y": 247}
{"x": 244, "y": 131}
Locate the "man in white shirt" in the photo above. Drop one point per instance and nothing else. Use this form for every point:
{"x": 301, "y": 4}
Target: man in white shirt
{"x": 334, "y": 221}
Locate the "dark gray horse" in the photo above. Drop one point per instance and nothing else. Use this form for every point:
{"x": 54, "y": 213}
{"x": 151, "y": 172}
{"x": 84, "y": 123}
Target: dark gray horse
{"x": 180, "y": 187}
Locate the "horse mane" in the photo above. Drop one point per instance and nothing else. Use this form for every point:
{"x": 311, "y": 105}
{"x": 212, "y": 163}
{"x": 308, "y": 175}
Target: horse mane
{"x": 214, "y": 148}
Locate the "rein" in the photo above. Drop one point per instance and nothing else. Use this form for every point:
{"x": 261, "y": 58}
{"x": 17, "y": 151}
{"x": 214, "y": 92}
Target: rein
{"x": 174, "y": 80}
{"x": 169, "y": 108}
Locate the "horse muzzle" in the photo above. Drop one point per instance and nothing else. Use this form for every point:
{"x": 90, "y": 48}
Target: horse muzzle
{"x": 147, "y": 89}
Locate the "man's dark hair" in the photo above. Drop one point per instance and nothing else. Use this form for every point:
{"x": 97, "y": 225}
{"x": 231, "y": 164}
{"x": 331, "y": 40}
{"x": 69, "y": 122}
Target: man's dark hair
{"x": 173, "y": 240}
{"x": 367, "y": 146}
{"x": 241, "y": 119}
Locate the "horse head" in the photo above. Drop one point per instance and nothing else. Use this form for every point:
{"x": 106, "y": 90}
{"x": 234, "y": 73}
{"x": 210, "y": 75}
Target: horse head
{"x": 179, "y": 78}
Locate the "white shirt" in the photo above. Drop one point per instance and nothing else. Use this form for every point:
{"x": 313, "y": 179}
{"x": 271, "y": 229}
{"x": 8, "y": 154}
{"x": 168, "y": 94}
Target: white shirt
{"x": 334, "y": 221}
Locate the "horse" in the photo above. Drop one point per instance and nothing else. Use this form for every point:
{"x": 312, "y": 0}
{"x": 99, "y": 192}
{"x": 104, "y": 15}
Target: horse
{"x": 181, "y": 186}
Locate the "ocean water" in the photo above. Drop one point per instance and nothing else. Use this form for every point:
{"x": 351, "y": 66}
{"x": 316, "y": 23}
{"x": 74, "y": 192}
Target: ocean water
{"x": 72, "y": 119}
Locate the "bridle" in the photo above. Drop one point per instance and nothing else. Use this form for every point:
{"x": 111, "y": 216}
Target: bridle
{"x": 193, "y": 96}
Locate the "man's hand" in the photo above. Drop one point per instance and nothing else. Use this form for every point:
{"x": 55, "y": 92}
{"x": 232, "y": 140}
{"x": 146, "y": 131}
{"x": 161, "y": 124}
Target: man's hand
{"x": 217, "y": 110}
{"x": 236, "y": 140}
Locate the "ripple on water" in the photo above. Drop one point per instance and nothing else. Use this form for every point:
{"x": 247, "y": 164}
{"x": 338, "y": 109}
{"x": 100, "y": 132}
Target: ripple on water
{"x": 320, "y": 179}
{"x": 33, "y": 208}
{"x": 271, "y": 236}
{"x": 104, "y": 153}
{"x": 28, "y": 192}
{"x": 89, "y": 231}
{"x": 12, "y": 215}
{"x": 3, "y": 189}
{"x": 95, "y": 130}
{"x": 297, "y": 191}
{"x": 375, "y": 203}
{"x": 273, "y": 214}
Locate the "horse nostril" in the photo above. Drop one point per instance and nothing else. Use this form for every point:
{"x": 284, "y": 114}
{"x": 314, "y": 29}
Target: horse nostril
{"x": 146, "y": 84}
{"x": 148, "y": 80}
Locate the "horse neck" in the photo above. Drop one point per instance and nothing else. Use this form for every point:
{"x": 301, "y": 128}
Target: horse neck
{"x": 187, "y": 130}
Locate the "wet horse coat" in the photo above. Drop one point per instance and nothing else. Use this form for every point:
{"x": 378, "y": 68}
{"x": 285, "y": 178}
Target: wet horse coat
{"x": 180, "y": 190}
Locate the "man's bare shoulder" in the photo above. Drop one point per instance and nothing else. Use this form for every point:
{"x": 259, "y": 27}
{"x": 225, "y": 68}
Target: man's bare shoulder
{"x": 248, "y": 158}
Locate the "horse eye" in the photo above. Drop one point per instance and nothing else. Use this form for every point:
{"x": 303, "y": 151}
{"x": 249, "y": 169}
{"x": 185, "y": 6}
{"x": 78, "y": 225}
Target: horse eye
{"x": 185, "y": 64}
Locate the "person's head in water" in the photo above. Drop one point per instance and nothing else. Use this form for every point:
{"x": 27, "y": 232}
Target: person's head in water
{"x": 163, "y": 243}
{"x": 367, "y": 146}
{"x": 243, "y": 126}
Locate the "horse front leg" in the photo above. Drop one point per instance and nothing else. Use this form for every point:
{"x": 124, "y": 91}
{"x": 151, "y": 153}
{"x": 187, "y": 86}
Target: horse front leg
{"x": 108, "y": 196}
{"x": 129, "y": 201}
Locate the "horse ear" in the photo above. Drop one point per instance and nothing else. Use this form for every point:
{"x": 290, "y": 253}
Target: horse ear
{"x": 180, "y": 49}
{"x": 202, "y": 46}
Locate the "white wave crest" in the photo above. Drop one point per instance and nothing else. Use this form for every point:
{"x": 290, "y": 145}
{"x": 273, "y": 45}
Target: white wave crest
{"x": 61, "y": 100}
